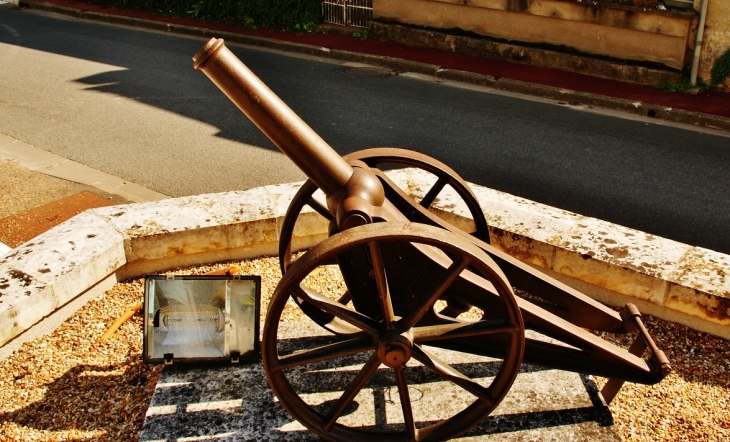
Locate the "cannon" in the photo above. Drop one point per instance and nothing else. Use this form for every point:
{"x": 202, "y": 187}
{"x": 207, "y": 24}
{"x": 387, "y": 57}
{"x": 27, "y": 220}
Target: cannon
{"x": 413, "y": 284}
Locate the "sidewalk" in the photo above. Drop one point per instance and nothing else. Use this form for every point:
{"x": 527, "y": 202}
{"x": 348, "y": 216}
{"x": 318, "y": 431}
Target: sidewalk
{"x": 707, "y": 108}
{"x": 40, "y": 190}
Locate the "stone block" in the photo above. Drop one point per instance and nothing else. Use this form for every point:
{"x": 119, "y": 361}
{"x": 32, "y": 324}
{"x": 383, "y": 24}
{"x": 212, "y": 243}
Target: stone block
{"x": 701, "y": 286}
{"x": 310, "y": 227}
{"x": 525, "y": 229}
{"x": 55, "y": 267}
{"x": 192, "y": 225}
{"x": 24, "y": 300}
{"x": 76, "y": 255}
{"x": 281, "y": 196}
{"x": 619, "y": 259}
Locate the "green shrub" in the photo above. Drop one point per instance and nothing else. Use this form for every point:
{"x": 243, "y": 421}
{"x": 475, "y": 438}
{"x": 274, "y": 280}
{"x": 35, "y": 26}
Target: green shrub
{"x": 683, "y": 85}
{"x": 721, "y": 69}
{"x": 294, "y": 15}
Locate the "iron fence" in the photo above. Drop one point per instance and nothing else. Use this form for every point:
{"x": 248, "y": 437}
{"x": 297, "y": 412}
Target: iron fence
{"x": 348, "y": 12}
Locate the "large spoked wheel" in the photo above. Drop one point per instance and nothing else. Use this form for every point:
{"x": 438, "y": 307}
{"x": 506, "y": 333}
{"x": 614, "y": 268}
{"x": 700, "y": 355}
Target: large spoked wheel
{"x": 379, "y": 158}
{"x": 397, "y": 273}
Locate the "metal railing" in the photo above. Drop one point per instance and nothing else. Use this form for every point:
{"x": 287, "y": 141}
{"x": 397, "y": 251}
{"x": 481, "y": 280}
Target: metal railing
{"x": 348, "y": 12}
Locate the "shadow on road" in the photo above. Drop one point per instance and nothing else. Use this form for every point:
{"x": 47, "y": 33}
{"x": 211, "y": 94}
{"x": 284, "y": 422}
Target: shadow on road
{"x": 663, "y": 180}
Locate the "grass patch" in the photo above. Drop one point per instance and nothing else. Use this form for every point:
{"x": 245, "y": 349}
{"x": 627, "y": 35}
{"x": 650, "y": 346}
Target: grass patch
{"x": 683, "y": 85}
{"x": 721, "y": 69}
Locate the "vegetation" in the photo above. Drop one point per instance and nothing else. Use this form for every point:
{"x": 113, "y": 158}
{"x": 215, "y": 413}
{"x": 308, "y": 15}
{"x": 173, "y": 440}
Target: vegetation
{"x": 362, "y": 35}
{"x": 721, "y": 69}
{"x": 292, "y": 15}
{"x": 683, "y": 85}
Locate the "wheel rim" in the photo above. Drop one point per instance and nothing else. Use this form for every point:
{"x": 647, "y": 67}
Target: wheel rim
{"x": 392, "y": 340}
{"x": 374, "y": 158}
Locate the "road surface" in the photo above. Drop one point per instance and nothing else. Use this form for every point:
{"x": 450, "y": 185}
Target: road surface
{"x": 128, "y": 102}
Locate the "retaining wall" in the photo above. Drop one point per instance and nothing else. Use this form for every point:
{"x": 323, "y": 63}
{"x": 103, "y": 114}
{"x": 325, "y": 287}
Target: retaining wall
{"x": 99, "y": 247}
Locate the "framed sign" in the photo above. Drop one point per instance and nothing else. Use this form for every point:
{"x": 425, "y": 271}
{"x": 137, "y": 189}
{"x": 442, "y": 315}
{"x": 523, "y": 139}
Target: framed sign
{"x": 193, "y": 318}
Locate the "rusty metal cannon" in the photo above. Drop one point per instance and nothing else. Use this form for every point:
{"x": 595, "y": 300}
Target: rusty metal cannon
{"x": 410, "y": 278}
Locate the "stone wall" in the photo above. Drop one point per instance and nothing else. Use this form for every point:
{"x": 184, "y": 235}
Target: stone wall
{"x": 661, "y": 38}
{"x": 717, "y": 35}
{"x": 613, "y": 264}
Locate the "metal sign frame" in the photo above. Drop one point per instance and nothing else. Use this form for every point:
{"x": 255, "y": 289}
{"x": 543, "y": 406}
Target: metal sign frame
{"x": 196, "y": 318}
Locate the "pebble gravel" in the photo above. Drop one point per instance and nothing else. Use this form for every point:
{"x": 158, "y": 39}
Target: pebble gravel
{"x": 68, "y": 386}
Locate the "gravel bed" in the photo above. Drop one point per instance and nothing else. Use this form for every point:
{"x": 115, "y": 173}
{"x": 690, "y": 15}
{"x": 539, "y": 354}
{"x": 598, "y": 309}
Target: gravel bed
{"x": 68, "y": 386}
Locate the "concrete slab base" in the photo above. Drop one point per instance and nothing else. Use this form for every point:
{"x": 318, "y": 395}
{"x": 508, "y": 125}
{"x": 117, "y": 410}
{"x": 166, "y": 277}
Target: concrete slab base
{"x": 236, "y": 403}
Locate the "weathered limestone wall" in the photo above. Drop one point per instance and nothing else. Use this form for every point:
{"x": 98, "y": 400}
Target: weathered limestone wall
{"x": 661, "y": 37}
{"x": 717, "y": 35}
{"x": 610, "y": 263}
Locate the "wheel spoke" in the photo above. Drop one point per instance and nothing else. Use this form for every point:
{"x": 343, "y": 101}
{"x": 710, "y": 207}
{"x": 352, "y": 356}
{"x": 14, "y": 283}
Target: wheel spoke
{"x": 324, "y": 353}
{"x": 351, "y": 391}
{"x": 345, "y": 298}
{"x": 412, "y": 268}
{"x": 405, "y": 403}
{"x": 453, "y": 375}
{"x": 463, "y": 330}
{"x": 382, "y": 283}
{"x": 336, "y": 309}
{"x": 427, "y": 301}
{"x": 434, "y": 192}
{"x": 319, "y": 208}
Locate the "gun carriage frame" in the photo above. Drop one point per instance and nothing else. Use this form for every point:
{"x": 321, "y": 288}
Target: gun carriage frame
{"x": 409, "y": 275}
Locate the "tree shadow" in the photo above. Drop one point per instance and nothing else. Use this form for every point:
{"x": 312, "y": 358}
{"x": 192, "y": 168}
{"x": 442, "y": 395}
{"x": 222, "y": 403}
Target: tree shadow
{"x": 91, "y": 398}
{"x": 235, "y": 403}
{"x": 657, "y": 179}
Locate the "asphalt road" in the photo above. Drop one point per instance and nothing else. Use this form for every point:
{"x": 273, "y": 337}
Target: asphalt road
{"x": 128, "y": 102}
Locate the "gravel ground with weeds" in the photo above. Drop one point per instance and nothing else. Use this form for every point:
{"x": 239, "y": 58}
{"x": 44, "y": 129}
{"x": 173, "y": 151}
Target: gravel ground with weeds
{"x": 69, "y": 386}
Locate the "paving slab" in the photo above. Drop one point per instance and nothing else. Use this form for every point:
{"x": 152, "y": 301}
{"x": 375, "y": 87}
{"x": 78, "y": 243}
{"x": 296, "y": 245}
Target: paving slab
{"x": 235, "y": 402}
{"x": 55, "y": 174}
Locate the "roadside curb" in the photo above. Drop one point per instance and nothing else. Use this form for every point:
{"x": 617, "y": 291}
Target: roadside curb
{"x": 100, "y": 247}
{"x": 515, "y": 86}
{"x": 39, "y": 160}
{"x": 620, "y": 104}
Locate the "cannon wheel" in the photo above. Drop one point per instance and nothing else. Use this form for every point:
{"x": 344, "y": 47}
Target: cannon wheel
{"x": 376, "y": 158}
{"x": 389, "y": 336}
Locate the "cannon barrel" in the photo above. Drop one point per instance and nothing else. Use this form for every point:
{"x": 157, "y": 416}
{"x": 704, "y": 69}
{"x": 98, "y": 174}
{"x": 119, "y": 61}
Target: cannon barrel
{"x": 328, "y": 170}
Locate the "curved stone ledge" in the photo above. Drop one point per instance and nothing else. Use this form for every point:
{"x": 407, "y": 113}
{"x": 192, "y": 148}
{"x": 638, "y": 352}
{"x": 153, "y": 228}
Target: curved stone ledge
{"x": 611, "y": 263}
